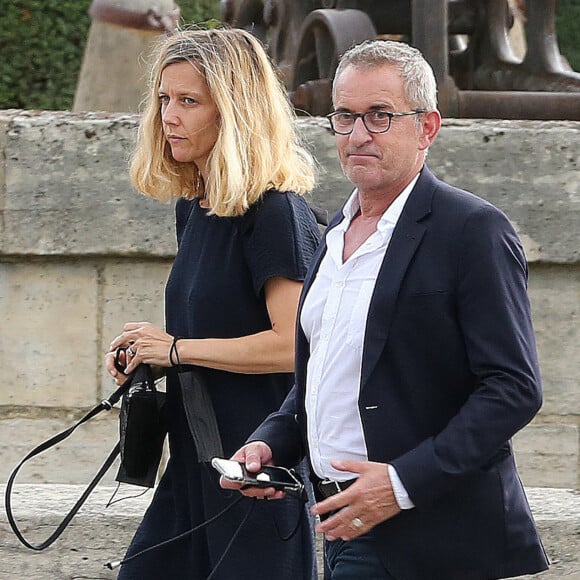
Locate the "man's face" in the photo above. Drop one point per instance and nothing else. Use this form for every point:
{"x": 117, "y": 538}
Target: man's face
{"x": 378, "y": 162}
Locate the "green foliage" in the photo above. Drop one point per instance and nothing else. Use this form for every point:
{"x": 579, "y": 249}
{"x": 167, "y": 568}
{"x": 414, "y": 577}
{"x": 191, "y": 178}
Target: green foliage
{"x": 568, "y": 27}
{"x": 193, "y": 11}
{"x": 42, "y": 44}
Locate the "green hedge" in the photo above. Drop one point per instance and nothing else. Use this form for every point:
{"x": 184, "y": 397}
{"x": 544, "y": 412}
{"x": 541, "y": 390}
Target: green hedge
{"x": 42, "y": 44}
{"x": 568, "y": 27}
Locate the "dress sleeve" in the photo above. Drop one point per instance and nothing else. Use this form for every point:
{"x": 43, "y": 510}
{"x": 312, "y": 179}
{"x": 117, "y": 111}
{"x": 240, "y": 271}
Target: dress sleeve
{"x": 280, "y": 235}
{"x": 183, "y": 208}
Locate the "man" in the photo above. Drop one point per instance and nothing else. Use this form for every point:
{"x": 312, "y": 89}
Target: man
{"x": 416, "y": 360}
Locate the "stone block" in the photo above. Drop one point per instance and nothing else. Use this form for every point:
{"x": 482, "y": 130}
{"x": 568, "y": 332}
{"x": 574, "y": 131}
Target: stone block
{"x": 68, "y": 191}
{"x": 96, "y": 535}
{"x": 49, "y": 339}
{"x": 131, "y": 292}
{"x": 555, "y": 296}
{"x": 547, "y": 455}
{"x": 499, "y": 161}
{"x": 529, "y": 169}
{"x": 74, "y": 461}
{"x": 333, "y": 188}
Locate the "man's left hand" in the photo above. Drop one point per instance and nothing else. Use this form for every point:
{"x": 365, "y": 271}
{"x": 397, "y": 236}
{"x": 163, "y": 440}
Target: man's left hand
{"x": 366, "y": 503}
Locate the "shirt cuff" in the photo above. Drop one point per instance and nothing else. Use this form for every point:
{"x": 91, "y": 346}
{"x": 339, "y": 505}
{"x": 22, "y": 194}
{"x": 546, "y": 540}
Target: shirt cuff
{"x": 401, "y": 495}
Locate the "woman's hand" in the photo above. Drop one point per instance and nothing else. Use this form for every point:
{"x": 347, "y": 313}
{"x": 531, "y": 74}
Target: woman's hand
{"x": 145, "y": 343}
{"x": 117, "y": 375}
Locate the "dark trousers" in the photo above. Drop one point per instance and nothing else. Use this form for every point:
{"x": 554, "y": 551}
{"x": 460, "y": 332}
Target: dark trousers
{"x": 354, "y": 560}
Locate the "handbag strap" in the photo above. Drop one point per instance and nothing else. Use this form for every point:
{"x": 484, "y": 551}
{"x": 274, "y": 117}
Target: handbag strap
{"x": 105, "y": 405}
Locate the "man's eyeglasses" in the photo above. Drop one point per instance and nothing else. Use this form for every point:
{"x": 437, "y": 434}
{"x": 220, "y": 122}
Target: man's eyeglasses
{"x": 342, "y": 122}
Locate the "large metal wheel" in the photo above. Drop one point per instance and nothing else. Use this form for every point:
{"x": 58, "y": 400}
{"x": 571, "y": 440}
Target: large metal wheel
{"x": 324, "y": 36}
{"x": 246, "y": 14}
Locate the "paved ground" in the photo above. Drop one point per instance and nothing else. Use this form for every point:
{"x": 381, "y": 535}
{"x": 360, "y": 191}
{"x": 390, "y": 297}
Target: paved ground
{"x": 99, "y": 534}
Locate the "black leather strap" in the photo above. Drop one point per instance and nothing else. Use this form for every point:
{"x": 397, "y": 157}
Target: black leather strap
{"x": 327, "y": 488}
{"x": 105, "y": 405}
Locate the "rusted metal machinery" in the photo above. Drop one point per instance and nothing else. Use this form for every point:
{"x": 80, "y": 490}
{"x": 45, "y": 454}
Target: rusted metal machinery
{"x": 465, "y": 41}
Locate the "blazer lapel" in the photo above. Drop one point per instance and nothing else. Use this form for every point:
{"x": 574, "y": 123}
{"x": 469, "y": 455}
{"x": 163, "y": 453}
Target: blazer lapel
{"x": 406, "y": 239}
{"x": 317, "y": 258}
{"x": 302, "y": 347}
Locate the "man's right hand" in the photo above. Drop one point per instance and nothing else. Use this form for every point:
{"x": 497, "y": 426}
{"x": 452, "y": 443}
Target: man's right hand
{"x": 253, "y": 455}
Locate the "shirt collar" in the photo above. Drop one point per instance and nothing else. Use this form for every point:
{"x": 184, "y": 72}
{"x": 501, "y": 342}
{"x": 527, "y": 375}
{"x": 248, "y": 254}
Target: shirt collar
{"x": 392, "y": 213}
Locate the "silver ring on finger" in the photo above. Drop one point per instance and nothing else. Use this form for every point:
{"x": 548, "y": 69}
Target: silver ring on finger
{"x": 357, "y": 523}
{"x": 130, "y": 351}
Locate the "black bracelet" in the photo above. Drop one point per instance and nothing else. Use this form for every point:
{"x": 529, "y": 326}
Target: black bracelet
{"x": 173, "y": 351}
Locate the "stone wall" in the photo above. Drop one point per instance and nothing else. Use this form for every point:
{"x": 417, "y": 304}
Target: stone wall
{"x": 81, "y": 253}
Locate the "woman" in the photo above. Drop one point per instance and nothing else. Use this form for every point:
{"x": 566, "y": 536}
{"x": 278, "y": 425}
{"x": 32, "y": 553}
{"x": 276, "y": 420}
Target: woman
{"x": 218, "y": 134}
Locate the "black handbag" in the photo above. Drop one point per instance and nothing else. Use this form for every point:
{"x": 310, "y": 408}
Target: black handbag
{"x": 142, "y": 430}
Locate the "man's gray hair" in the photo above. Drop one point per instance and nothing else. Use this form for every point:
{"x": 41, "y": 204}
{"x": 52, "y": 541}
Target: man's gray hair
{"x": 418, "y": 77}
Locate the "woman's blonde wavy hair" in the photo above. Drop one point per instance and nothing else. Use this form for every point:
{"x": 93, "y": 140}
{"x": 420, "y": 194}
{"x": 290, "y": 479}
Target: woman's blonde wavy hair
{"x": 257, "y": 146}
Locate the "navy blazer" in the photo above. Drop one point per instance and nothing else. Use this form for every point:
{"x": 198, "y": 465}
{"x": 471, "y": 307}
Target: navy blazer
{"x": 449, "y": 374}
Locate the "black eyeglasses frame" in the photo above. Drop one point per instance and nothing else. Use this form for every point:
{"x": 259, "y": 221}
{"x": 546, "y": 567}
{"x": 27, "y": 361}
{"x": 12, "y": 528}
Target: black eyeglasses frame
{"x": 362, "y": 116}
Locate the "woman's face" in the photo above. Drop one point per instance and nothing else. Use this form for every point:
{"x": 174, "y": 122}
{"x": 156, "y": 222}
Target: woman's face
{"x": 189, "y": 115}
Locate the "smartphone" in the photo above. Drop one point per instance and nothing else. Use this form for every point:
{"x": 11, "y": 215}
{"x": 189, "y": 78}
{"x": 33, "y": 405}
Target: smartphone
{"x": 269, "y": 476}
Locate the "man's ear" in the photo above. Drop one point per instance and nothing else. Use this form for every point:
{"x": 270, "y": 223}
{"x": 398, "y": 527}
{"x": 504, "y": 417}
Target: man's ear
{"x": 430, "y": 125}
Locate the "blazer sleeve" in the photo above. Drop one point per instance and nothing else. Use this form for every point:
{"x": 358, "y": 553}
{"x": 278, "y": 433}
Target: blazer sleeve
{"x": 494, "y": 317}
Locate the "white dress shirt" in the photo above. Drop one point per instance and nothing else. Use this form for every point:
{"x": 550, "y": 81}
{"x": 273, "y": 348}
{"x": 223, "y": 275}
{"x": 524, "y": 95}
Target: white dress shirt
{"x": 333, "y": 318}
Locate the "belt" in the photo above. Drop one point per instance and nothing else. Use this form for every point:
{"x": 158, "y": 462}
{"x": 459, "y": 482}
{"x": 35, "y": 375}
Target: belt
{"x": 328, "y": 487}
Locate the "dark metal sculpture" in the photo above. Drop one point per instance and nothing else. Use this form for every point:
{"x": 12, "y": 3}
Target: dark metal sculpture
{"x": 465, "y": 41}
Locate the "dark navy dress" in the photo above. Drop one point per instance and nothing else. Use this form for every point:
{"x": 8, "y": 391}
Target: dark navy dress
{"x": 216, "y": 290}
